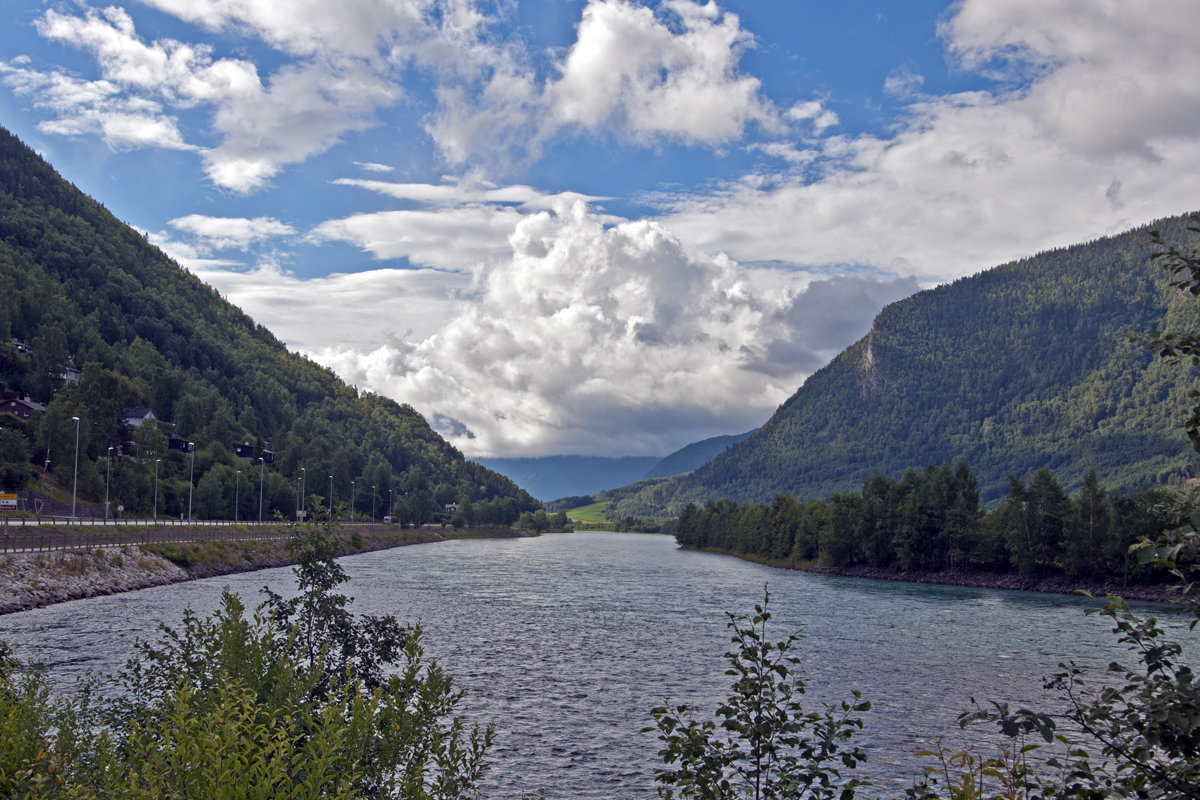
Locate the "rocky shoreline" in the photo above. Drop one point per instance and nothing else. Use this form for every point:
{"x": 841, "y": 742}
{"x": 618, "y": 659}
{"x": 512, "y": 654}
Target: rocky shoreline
{"x": 37, "y": 579}
{"x": 32, "y": 580}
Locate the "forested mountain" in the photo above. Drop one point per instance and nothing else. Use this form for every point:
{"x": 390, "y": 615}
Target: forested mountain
{"x": 82, "y": 291}
{"x": 1028, "y": 365}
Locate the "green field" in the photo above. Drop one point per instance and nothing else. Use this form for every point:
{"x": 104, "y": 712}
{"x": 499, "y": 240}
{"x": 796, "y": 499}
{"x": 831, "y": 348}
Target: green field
{"x": 588, "y": 515}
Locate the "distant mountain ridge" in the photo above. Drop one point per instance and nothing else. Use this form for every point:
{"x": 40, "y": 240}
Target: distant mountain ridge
{"x": 1027, "y": 365}
{"x": 554, "y": 477}
{"x": 694, "y": 455}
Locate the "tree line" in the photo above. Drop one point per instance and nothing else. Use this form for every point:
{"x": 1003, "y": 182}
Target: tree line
{"x": 933, "y": 520}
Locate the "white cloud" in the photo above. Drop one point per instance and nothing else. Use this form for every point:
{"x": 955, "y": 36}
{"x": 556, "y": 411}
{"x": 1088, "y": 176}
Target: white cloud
{"x": 630, "y": 70}
{"x": 355, "y": 311}
{"x": 303, "y": 108}
{"x": 369, "y": 166}
{"x": 307, "y": 27}
{"x": 455, "y": 240}
{"x": 1097, "y": 95}
{"x": 225, "y": 233}
{"x": 813, "y": 111}
{"x": 94, "y": 108}
{"x": 591, "y": 338}
{"x": 459, "y": 192}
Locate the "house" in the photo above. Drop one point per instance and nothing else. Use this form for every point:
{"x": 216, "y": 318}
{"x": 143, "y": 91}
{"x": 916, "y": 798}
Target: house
{"x": 69, "y": 375}
{"x": 451, "y": 508}
{"x": 134, "y": 417}
{"x": 182, "y": 445}
{"x": 23, "y": 407}
{"x": 22, "y": 347}
{"x": 245, "y": 451}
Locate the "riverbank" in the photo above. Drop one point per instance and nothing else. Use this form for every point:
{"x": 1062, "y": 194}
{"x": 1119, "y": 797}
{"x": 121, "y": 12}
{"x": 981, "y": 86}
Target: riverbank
{"x": 1150, "y": 593}
{"x": 33, "y": 580}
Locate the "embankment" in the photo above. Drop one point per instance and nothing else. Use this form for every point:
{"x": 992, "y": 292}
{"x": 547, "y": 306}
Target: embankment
{"x": 34, "y": 579}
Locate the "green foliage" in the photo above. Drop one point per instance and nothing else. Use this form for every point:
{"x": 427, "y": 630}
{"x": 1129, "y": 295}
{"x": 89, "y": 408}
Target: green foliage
{"x": 760, "y": 743}
{"x": 301, "y": 699}
{"x": 932, "y": 520}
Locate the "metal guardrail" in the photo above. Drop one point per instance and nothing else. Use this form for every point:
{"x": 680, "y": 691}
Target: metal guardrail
{"x": 30, "y": 534}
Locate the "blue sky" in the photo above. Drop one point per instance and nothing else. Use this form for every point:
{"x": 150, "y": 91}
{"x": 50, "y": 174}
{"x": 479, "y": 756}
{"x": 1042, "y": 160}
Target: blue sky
{"x": 604, "y": 227}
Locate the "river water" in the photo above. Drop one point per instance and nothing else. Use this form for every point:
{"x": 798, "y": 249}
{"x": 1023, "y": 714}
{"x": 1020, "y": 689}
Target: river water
{"x": 566, "y": 641}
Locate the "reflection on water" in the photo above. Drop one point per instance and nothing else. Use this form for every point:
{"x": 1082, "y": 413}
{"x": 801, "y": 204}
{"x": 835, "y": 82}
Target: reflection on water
{"x": 566, "y": 641}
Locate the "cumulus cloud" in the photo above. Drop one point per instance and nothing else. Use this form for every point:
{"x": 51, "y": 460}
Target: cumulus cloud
{"x": 1093, "y": 98}
{"x": 597, "y": 338}
{"x": 633, "y": 73}
{"x": 631, "y": 68}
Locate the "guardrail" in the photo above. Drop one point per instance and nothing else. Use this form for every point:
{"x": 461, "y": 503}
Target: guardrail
{"x": 37, "y": 534}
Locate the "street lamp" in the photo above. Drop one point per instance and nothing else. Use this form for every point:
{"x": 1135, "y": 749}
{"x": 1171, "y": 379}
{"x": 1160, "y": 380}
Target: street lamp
{"x": 331, "y": 498}
{"x": 262, "y": 468}
{"x": 372, "y": 504}
{"x": 303, "y": 489}
{"x": 75, "y": 481}
{"x": 351, "y": 502}
{"x": 156, "y": 462}
{"x": 297, "y": 499}
{"x": 237, "y": 494}
{"x": 107, "y": 481}
{"x": 191, "y": 478}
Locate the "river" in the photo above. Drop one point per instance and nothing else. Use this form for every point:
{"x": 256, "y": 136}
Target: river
{"x": 566, "y": 641}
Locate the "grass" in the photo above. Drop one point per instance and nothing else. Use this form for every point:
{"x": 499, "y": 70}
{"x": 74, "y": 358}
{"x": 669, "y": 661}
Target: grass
{"x": 589, "y": 515}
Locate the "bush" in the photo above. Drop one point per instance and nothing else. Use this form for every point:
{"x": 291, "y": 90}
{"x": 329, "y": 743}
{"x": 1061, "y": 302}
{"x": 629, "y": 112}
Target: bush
{"x": 761, "y": 743}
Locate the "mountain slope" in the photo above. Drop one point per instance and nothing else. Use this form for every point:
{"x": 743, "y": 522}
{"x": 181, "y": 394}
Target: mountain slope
{"x": 1027, "y": 365}
{"x": 694, "y": 455}
{"x": 81, "y": 289}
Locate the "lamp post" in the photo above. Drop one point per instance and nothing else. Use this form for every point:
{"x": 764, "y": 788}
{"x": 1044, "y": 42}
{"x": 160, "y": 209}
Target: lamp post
{"x": 107, "y": 481}
{"x": 262, "y": 468}
{"x": 331, "y": 498}
{"x": 303, "y": 489}
{"x": 237, "y": 494}
{"x": 156, "y": 462}
{"x": 191, "y": 478}
{"x": 351, "y": 502}
{"x": 297, "y": 498}
{"x": 75, "y": 480}
{"x": 372, "y": 503}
